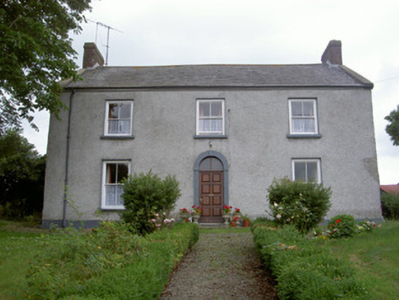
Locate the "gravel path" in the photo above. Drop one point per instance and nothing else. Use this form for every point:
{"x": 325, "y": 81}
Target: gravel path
{"x": 220, "y": 266}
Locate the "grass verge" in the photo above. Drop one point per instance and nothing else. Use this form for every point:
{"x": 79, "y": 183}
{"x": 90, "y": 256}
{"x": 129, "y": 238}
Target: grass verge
{"x": 375, "y": 256}
{"x": 17, "y": 249}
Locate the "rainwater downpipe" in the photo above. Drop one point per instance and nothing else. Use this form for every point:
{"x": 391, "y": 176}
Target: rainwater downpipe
{"x": 66, "y": 182}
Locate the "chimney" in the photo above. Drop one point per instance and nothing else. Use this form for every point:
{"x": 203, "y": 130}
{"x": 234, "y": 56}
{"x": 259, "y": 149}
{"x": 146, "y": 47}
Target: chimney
{"x": 333, "y": 53}
{"x": 92, "y": 56}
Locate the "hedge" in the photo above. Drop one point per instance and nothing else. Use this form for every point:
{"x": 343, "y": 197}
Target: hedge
{"x": 304, "y": 270}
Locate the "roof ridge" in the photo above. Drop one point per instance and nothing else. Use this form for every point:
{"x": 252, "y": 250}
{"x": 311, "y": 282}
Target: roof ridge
{"x": 213, "y": 65}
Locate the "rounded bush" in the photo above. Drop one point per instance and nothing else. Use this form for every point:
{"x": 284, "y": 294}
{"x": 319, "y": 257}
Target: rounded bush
{"x": 303, "y": 204}
{"x": 146, "y": 195}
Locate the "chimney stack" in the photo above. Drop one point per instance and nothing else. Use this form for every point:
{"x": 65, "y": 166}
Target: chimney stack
{"x": 92, "y": 56}
{"x": 333, "y": 53}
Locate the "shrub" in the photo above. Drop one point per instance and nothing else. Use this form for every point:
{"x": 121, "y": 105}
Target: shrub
{"x": 146, "y": 195}
{"x": 342, "y": 226}
{"x": 390, "y": 206}
{"x": 303, "y": 204}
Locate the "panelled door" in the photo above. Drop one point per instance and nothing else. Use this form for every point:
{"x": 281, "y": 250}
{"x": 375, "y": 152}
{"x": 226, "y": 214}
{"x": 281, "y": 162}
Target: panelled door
{"x": 211, "y": 190}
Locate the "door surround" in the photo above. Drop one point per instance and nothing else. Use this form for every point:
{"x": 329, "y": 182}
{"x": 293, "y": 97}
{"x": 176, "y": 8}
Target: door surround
{"x": 203, "y": 155}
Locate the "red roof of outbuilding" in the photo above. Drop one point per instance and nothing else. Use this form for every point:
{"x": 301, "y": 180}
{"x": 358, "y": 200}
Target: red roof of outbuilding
{"x": 390, "y": 188}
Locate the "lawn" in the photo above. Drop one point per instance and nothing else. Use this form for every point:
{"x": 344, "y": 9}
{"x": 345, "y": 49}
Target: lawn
{"x": 376, "y": 257}
{"x": 18, "y": 245}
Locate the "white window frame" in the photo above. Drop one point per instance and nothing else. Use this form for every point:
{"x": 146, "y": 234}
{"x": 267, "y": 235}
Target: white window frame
{"x": 104, "y": 184}
{"x": 315, "y": 116}
{"x": 307, "y": 160}
{"x": 198, "y": 117}
{"x": 107, "y": 105}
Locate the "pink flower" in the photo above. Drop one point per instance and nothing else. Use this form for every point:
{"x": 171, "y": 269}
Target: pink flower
{"x": 278, "y": 216}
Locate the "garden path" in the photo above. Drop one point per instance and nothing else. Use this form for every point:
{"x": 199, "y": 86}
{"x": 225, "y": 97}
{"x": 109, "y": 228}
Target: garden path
{"x": 221, "y": 266}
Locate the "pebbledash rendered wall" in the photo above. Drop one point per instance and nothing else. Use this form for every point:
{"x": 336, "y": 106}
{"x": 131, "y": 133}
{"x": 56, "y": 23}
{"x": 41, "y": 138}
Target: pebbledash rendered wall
{"x": 256, "y": 149}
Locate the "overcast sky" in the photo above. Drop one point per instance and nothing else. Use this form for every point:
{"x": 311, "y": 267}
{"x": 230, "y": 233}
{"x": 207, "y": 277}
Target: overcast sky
{"x": 174, "y": 32}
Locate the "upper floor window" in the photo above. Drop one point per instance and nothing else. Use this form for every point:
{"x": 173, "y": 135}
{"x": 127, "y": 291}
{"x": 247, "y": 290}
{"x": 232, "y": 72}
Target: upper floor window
{"x": 113, "y": 173}
{"x": 306, "y": 170}
{"x": 210, "y": 117}
{"x": 303, "y": 116}
{"x": 119, "y": 118}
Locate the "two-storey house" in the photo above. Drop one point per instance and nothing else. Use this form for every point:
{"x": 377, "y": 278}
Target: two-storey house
{"x": 225, "y": 131}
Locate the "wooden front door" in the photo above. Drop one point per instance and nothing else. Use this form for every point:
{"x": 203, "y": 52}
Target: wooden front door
{"x": 211, "y": 191}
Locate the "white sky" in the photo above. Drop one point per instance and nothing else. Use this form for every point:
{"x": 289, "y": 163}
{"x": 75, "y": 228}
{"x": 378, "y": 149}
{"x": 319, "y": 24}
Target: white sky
{"x": 175, "y": 32}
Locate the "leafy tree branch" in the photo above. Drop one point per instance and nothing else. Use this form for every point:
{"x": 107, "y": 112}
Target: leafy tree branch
{"x": 36, "y": 52}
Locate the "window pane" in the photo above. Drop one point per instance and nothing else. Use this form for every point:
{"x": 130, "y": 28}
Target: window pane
{"x": 119, "y": 190}
{"x": 300, "y": 171}
{"x": 303, "y": 125}
{"x": 124, "y": 126}
{"x": 113, "y": 111}
{"x": 216, "y": 164}
{"x": 296, "y": 108}
{"x": 216, "y": 125}
{"x": 312, "y": 171}
{"x": 111, "y": 173}
{"x": 123, "y": 171}
{"x": 216, "y": 108}
{"x": 204, "y": 109}
{"x": 308, "y": 108}
{"x": 125, "y": 109}
{"x": 205, "y": 125}
{"x": 113, "y": 126}
{"x": 110, "y": 195}
{"x": 205, "y": 164}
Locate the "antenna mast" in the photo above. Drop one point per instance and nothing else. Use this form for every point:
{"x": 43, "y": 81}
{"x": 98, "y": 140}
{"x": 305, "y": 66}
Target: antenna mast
{"x": 107, "y": 45}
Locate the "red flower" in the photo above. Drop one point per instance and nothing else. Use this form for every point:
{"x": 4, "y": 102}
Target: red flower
{"x": 338, "y": 221}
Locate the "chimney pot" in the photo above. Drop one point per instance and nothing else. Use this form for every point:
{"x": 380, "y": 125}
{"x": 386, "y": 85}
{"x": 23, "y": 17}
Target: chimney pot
{"x": 92, "y": 56}
{"x": 333, "y": 53}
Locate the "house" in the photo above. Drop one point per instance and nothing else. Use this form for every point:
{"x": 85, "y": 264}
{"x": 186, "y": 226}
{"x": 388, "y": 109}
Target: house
{"x": 225, "y": 131}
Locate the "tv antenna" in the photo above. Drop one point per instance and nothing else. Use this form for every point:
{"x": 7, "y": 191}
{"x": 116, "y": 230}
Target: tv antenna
{"x": 107, "y": 45}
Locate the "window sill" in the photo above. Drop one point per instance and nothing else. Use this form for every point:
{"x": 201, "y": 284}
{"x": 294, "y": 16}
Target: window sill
{"x": 112, "y": 208}
{"x": 216, "y": 136}
{"x": 117, "y": 137}
{"x": 303, "y": 136}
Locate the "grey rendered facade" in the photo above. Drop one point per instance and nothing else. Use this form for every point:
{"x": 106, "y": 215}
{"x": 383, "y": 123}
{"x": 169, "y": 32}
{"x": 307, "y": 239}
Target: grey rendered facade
{"x": 256, "y": 143}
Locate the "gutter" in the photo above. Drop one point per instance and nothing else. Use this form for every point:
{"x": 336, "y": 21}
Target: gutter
{"x": 66, "y": 181}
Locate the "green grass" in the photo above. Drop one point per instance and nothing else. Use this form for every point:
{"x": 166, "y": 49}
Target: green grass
{"x": 16, "y": 250}
{"x": 376, "y": 257}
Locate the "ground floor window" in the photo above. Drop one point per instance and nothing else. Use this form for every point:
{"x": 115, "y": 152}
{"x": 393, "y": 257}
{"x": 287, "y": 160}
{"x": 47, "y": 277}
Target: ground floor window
{"x": 113, "y": 173}
{"x": 307, "y": 170}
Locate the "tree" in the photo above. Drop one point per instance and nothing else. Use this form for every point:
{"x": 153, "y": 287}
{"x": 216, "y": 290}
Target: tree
{"x": 393, "y": 128}
{"x": 21, "y": 176}
{"x": 36, "y": 52}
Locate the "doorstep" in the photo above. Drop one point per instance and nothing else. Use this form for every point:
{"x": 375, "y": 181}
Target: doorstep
{"x": 212, "y": 225}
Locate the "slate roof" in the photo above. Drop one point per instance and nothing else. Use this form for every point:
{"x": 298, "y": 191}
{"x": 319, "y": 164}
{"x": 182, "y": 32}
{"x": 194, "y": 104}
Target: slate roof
{"x": 213, "y": 76}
